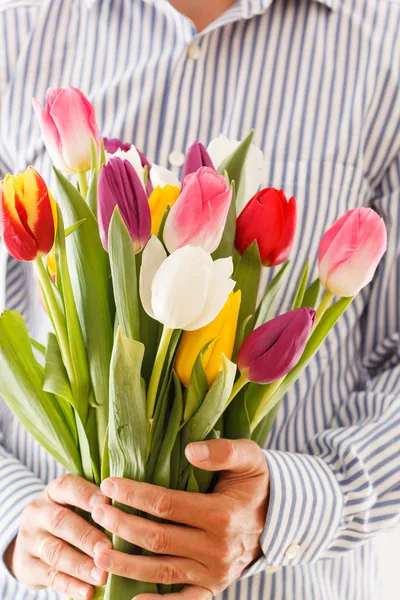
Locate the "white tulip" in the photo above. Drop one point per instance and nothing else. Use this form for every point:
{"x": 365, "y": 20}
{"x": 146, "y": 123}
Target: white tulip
{"x": 185, "y": 290}
{"x": 253, "y": 176}
{"x": 132, "y": 156}
{"x": 160, "y": 177}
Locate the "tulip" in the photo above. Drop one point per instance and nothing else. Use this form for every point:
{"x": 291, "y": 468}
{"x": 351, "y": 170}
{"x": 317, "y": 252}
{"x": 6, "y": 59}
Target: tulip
{"x": 185, "y": 290}
{"x": 350, "y": 251}
{"x": 138, "y": 162}
{"x": 220, "y": 334}
{"x": 221, "y": 148}
{"x": 160, "y": 199}
{"x": 111, "y": 145}
{"x": 196, "y": 157}
{"x": 119, "y": 185}
{"x": 273, "y": 349}
{"x": 27, "y": 215}
{"x": 199, "y": 215}
{"x": 68, "y": 124}
{"x": 270, "y": 220}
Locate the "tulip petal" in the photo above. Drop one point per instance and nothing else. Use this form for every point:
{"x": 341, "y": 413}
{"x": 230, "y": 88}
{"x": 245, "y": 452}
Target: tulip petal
{"x": 153, "y": 257}
{"x": 133, "y": 157}
{"x": 220, "y": 287}
{"x": 19, "y": 241}
{"x": 158, "y": 202}
{"x": 281, "y": 252}
{"x": 111, "y": 145}
{"x": 50, "y": 136}
{"x": 181, "y": 287}
{"x": 196, "y": 157}
{"x": 161, "y": 177}
{"x": 181, "y": 222}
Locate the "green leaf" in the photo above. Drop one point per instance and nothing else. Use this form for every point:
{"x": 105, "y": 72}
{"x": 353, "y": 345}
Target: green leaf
{"x": 213, "y": 406}
{"x": 73, "y": 228}
{"x": 192, "y": 485}
{"x": 103, "y": 156}
{"x": 247, "y": 277}
{"x": 226, "y": 247}
{"x": 124, "y": 277}
{"x": 39, "y": 347}
{"x": 21, "y": 386}
{"x": 262, "y": 431}
{"x": 266, "y": 310}
{"x": 198, "y": 387}
{"x": 162, "y": 473}
{"x": 236, "y": 418}
{"x": 160, "y": 233}
{"x": 311, "y": 295}
{"x": 90, "y": 277}
{"x": 233, "y": 165}
{"x": 301, "y": 287}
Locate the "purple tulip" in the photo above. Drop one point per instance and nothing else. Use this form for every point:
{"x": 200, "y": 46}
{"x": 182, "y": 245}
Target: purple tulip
{"x": 111, "y": 145}
{"x": 273, "y": 349}
{"x": 119, "y": 185}
{"x": 196, "y": 157}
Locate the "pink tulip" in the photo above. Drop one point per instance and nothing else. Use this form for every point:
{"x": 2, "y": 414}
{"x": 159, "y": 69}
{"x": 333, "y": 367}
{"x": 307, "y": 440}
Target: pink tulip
{"x": 199, "y": 215}
{"x": 68, "y": 123}
{"x": 350, "y": 251}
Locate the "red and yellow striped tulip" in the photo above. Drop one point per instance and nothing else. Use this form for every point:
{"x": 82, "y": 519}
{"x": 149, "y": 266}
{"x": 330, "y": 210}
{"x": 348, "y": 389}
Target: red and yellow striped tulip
{"x": 221, "y": 332}
{"x": 27, "y": 215}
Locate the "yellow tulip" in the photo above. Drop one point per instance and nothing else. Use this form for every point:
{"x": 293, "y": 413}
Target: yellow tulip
{"x": 221, "y": 332}
{"x": 160, "y": 198}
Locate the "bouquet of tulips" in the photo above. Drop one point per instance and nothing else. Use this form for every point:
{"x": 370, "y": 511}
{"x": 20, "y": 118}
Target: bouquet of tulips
{"x": 151, "y": 288}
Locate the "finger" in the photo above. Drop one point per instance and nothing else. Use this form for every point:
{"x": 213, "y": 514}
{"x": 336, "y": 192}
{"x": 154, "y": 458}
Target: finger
{"x": 156, "y": 537}
{"x": 181, "y": 507}
{"x": 153, "y": 569}
{"x": 75, "y": 491}
{"x": 62, "y": 583}
{"x": 63, "y": 523}
{"x": 237, "y": 456}
{"x": 189, "y": 592}
{"x": 63, "y": 558}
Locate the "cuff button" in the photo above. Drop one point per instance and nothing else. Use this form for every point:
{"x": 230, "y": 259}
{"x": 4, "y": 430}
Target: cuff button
{"x": 292, "y": 551}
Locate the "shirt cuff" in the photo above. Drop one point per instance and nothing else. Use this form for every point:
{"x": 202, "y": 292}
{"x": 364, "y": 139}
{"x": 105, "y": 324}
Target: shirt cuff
{"x": 18, "y": 487}
{"x": 304, "y": 513}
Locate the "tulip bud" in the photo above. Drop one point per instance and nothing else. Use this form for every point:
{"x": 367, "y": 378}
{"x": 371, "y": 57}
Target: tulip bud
{"x": 27, "y": 215}
{"x": 270, "y": 220}
{"x": 196, "y": 157}
{"x": 111, "y": 145}
{"x": 221, "y": 332}
{"x": 137, "y": 160}
{"x": 119, "y": 185}
{"x": 273, "y": 349}
{"x": 199, "y": 215}
{"x": 186, "y": 290}
{"x": 68, "y": 124}
{"x": 350, "y": 251}
{"x": 158, "y": 202}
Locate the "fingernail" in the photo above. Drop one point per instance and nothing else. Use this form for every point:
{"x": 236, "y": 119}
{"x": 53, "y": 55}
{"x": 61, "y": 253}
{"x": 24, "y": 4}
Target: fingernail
{"x": 97, "y": 574}
{"x": 104, "y": 561}
{"x": 97, "y": 499}
{"x": 108, "y": 488}
{"x": 100, "y": 547}
{"x": 200, "y": 451}
{"x": 83, "y": 592}
{"x": 98, "y": 514}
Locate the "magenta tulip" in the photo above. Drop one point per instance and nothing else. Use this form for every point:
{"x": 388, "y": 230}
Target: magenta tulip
{"x": 119, "y": 185}
{"x": 273, "y": 349}
{"x": 68, "y": 124}
{"x": 199, "y": 215}
{"x": 350, "y": 251}
{"x": 111, "y": 145}
{"x": 196, "y": 157}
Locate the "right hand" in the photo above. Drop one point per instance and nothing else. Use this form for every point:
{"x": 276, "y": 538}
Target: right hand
{"x": 54, "y": 547}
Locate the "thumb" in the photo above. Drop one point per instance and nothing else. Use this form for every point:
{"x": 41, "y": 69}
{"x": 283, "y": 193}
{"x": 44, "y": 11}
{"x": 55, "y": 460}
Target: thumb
{"x": 226, "y": 455}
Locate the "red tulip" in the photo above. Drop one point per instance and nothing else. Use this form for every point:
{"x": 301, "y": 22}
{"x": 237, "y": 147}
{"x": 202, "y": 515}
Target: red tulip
{"x": 270, "y": 219}
{"x": 273, "y": 349}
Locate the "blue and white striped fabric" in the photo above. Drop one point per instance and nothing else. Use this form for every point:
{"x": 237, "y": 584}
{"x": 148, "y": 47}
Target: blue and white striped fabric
{"x": 319, "y": 80}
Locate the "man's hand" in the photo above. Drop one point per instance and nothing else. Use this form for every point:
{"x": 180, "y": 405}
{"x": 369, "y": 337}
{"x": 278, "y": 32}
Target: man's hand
{"x": 55, "y": 547}
{"x": 222, "y": 530}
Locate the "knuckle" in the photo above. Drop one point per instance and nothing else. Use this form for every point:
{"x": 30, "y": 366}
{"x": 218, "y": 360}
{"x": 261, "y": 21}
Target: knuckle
{"x": 51, "y": 551}
{"x": 158, "y": 542}
{"x": 83, "y": 491}
{"x": 227, "y": 520}
{"x": 58, "y": 518}
{"x": 168, "y": 574}
{"x": 128, "y": 495}
{"x": 117, "y": 526}
{"x": 163, "y": 505}
{"x": 51, "y": 577}
{"x": 83, "y": 568}
{"x": 86, "y": 538}
{"x": 229, "y": 449}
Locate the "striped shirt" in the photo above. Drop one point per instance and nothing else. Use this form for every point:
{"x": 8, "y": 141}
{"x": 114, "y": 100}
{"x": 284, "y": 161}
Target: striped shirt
{"x": 319, "y": 81}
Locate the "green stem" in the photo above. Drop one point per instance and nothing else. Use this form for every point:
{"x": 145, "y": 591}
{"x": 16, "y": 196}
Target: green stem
{"x": 265, "y": 405}
{"x": 56, "y": 315}
{"x": 239, "y": 384}
{"x": 323, "y": 306}
{"x": 83, "y": 186}
{"x": 157, "y": 370}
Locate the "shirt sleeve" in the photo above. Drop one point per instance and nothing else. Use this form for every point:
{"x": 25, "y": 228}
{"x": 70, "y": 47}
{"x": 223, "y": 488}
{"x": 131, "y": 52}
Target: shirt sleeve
{"x": 345, "y": 486}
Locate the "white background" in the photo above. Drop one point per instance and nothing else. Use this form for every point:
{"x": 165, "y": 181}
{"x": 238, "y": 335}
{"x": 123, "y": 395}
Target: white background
{"x": 390, "y": 553}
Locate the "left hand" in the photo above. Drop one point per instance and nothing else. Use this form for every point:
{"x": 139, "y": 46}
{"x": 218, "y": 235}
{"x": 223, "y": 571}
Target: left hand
{"x": 221, "y": 536}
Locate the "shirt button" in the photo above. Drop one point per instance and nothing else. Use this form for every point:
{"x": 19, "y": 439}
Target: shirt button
{"x": 194, "y": 51}
{"x": 271, "y": 570}
{"x": 176, "y": 158}
{"x": 292, "y": 551}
